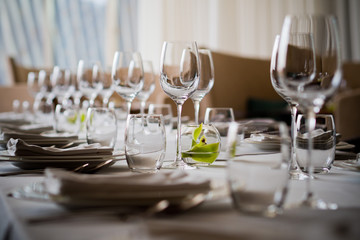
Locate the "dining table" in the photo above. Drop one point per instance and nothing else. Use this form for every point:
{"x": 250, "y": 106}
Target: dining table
{"x": 215, "y": 218}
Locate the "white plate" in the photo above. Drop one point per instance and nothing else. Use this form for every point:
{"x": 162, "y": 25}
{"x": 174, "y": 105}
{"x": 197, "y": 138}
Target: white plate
{"x": 6, "y": 156}
{"x": 67, "y": 162}
{"x": 58, "y": 158}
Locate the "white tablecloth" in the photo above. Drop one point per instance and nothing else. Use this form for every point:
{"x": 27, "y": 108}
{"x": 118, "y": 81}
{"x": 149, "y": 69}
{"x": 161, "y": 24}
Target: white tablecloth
{"x": 212, "y": 220}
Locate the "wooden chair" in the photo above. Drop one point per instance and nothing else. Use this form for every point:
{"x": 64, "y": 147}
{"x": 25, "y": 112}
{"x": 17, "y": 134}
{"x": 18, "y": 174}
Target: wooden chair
{"x": 9, "y": 93}
{"x": 346, "y": 103}
{"x": 18, "y": 73}
{"x": 347, "y": 114}
{"x": 237, "y": 80}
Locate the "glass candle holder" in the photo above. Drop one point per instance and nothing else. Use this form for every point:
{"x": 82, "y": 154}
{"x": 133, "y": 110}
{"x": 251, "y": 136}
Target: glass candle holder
{"x": 200, "y": 144}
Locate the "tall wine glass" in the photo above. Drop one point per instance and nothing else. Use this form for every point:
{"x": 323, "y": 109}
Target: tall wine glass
{"x": 295, "y": 172}
{"x": 149, "y": 85}
{"x": 107, "y": 88}
{"x": 309, "y": 68}
{"x": 60, "y": 81}
{"x": 179, "y": 78}
{"x": 206, "y": 81}
{"x": 33, "y": 85}
{"x": 127, "y": 76}
{"x": 43, "y": 106}
{"x": 89, "y": 79}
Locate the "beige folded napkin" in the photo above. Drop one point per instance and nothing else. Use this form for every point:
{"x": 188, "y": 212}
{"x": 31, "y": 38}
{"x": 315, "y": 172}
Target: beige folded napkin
{"x": 18, "y": 147}
{"x": 8, "y": 133}
{"x": 125, "y": 185}
{"x": 322, "y": 140}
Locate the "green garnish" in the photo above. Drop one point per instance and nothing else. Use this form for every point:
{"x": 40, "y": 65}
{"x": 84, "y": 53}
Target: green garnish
{"x": 82, "y": 117}
{"x": 72, "y": 119}
{"x": 200, "y": 150}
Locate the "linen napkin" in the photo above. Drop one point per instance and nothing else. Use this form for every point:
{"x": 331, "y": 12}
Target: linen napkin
{"x": 125, "y": 185}
{"x": 322, "y": 140}
{"x": 8, "y": 133}
{"x": 18, "y": 147}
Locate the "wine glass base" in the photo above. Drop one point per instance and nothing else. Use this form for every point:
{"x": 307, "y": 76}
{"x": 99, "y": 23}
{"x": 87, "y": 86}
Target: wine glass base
{"x": 319, "y": 204}
{"x": 297, "y": 174}
{"x": 179, "y": 165}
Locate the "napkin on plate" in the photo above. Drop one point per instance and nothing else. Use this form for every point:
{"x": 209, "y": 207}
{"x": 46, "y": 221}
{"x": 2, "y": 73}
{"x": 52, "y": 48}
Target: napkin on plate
{"x": 322, "y": 140}
{"x": 124, "y": 185}
{"x": 18, "y": 147}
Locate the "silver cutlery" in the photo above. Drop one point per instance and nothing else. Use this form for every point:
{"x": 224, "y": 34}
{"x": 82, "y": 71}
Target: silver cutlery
{"x": 34, "y": 171}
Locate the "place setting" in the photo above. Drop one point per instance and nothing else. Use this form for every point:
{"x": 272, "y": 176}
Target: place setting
{"x": 33, "y": 152}
{"x": 100, "y": 149}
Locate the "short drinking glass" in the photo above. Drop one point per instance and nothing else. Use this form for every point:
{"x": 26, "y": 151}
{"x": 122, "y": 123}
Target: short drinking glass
{"x": 67, "y": 119}
{"x": 166, "y": 111}
{"x": 101, "y": 126}
{"x": 145, "y": 142}
{"x": 324, "y": 143}
{"x": 258, "y": 183}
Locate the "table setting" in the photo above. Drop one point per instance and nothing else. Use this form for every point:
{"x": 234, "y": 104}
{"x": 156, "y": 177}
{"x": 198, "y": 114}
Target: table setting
{"x": 94, "y": 175}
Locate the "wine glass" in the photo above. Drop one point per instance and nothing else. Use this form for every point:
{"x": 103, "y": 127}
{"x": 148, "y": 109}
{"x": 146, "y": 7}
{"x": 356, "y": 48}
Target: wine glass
{"x": 309, "y": 68}
{"x": 179, "y": 78}
{"x": 127, "y": 76}
{"x": 33, "y": 85}
{"x": 295, "y": 172}
{"x": 106, "y": 87}
{"x": 206, "y": 81}
{"x": 89, "y": 76}
{"x": 43, "y": 106}
{"x": 60, "y": 81}
{"x": 149, "y": 85}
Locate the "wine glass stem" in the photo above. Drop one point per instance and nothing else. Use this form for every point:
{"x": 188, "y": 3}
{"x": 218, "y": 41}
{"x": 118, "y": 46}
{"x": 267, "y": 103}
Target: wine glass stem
{"x": 197, "y": 108}
{"x": 311, "y": 121}
{"x": 128, "y": 108}
{"x": 142, "y": 107}
{"x": 178, "y": 134}
{"x": 105, "y": 102}
{"x": 293, "y": 110}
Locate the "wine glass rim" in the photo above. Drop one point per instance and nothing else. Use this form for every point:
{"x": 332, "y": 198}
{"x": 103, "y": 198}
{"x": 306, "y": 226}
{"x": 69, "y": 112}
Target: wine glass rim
{"x": 180, "y": 41}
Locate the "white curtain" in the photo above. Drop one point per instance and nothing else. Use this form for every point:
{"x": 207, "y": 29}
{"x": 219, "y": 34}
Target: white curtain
{"x": 241, "y": 27}
{"x": 44, "y": 33}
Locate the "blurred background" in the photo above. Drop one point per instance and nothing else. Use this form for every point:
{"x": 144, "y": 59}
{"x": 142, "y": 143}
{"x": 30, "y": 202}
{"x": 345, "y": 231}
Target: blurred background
{"x": 44, "y": 33}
